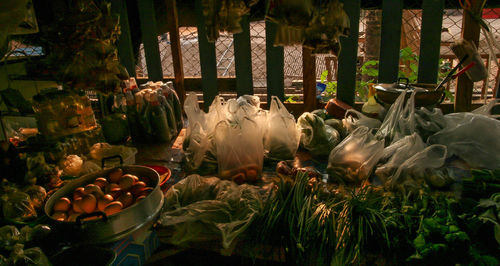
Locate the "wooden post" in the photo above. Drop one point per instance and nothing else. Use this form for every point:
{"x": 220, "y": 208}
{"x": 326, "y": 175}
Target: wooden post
{"x": 175, "y": 46}
{"x": 275, "y": 60}
{"x": 243, "y": 59}
{"x": 150, "y": 39}
{"x": 430, "y": 44}
{"x": 207, "y": 59}
{"x": 346, "y": 80}
{"x": 124, "y": 44}
{"x": 470, "y": 32}
{"x": 392, "y": 12}
{"x": 309, "y": 79}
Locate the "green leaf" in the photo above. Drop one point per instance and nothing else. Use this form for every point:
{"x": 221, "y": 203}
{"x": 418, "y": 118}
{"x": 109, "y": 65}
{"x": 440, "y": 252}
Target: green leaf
{"x": 419, "y": 242}
{"x": 324, "y": 74}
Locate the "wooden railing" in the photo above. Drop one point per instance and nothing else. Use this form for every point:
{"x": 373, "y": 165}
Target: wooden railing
{"x": 432, "y": 17}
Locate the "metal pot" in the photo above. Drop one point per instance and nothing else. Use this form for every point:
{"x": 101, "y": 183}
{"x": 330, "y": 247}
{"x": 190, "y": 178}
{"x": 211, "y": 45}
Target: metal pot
{"x": 113, "y": 227}
{"x": 387, "y": 93}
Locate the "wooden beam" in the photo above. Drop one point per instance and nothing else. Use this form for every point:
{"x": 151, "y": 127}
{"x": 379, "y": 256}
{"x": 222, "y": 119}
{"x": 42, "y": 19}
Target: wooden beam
{"x": 207, "y": 58}
{"x": 470, "y": 32}
{"x": 309, "y": 79}
{"x": 243, "y": 59}
{"x": 150, "y": 39}
{"x": 175, "y": 47}
{"x": 430, "y": 41}
{"x": 392, "y": 12}
{"x": 124, "y": 44}
{"x": 275, "y": 61}
{"x": 346, "y": 74}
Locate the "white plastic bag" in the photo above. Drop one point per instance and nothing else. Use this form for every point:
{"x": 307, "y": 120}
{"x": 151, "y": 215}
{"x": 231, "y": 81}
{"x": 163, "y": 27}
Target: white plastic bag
{"x": 282, "y": 137}
{"x": 472, "y": 137}
{"x": 411, "y": 174}
{"x": 354, "y": 119}
{"x": 397, "y": 153}
{"x": 428, "y": 122}
{"x": 353, "y": 159}
{"x": 240, "y": 150}
{"x": 487, "y": 108}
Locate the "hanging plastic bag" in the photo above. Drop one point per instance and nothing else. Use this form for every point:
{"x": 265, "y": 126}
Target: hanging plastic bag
{"x": 282, "y": 137}
{"x": 315, "y": 136}
{"x": 397, "y": 153}
{"x": 202, "y": 210}
{"x": 240, "y": 150}
{"x": 352, "y": 161}
{"x": 296, "y": 13}
{"x": 472, "y": 137}
{"x": 411, "y": 174}
{"x": 354, "y": 119}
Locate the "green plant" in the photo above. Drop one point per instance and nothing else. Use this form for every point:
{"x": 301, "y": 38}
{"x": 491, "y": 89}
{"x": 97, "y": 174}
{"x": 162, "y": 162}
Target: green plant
{"x": 331, "y": 86}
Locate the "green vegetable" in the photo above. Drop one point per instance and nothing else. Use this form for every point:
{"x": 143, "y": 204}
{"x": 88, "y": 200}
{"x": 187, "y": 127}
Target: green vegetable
{"x": 316, "y": 137}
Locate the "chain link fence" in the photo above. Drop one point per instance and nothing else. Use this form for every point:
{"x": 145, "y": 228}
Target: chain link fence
{"x": 368, "y": 52}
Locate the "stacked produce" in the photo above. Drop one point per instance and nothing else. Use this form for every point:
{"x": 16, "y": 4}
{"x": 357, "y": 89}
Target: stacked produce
{"x": 234, "y": 136}
{"x": 109, "y": 194}
{"x": 17, "y": 246}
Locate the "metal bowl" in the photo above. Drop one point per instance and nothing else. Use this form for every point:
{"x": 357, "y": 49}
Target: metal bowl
{"x": 114, "y": 227}
{"x": 389, "y": 92}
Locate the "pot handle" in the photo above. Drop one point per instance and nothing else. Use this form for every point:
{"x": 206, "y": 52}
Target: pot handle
{"x": 111, "y": 157}
{"x": 92, "y": 214}
{"x": 407, "y": 81}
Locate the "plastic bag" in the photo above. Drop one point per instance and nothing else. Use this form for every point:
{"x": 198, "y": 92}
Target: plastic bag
{"x": 282, "y": 137}
{"x": 428, "y": 122}
{"x": 9, "y": 236}
{"x": 400, "y": 119}
{"x": 17, "y": 206}
{"x": 315, "y": 136}
{"x": 411, "y": 174}
{"x": 31, "y": 256}
{"x": 354, "y": 119}
{"x": 397, "y": 153}
{"x": 36, "y": 233}
{"x": 115, "y": 128}
{"x": 72, "y": 165}
{"x": 202, "y": 209}
{"x": 353, "y": 159}
{"x": 240, "y": 150}
{"x": 37, "y": 195}
{"x": 487, "y": 108}
{"x": 173, "y": 99}
{"x": 472, "y": 137}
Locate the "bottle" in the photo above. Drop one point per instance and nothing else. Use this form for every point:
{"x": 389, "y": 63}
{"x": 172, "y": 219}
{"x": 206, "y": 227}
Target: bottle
{"x": 159, "y": 123}
{"x": 371, "y": 108}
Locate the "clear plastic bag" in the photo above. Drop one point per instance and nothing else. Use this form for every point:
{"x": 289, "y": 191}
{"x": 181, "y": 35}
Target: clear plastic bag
{"x": 9, "y": 235}
{"x": 37, "y": 195}
{"x": 400, "y": 119}
{"x": 202, "y": 209}
{"x": 282, "y": 137}
{"x": 411, "y": 174}
{"x": 240, "y": 150}
{"x": 354, "y": 119}
{"x": 397, "y": 153}
{"x": 487, "y": 108}
{"x": 428, "y": 122}
{"x": 353, "y": 159}
{"x": 31, "y": 256}
{"x": 17, "y": 206}
{"x": 315, "y": 136}
{"x": 472, "y": 137}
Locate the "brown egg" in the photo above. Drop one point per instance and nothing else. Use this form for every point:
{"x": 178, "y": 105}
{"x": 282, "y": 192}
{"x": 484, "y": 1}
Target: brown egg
{"x": 62, "y": 205}
{"x": 93, "y": 189}
{"x": 77, "y": 205}
{"x": 78, "y": 193}
{"x": 104, "y": 201}
{"x": 72, "y": 217}
{"x": 145, "y": 191}
{"x": 126, "y": 182}
{"x": 59, "y": 216}
{"x": 115, "y": 192}
{"x": 126, "y": 199}
{"x": 140, "y": 198}
{"x": 137, "y": 188}
{"x": 89, "y": 203}
{"x": 114, "y": 176}
{"x": 110, "y": 186}
{"x": 101, "y": 182}
{"x": 113, "y": 208}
